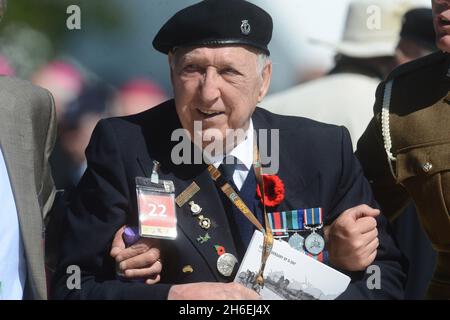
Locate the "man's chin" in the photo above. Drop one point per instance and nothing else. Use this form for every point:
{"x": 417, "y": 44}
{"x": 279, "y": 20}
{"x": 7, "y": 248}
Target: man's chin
{"x": 443, "y": 42}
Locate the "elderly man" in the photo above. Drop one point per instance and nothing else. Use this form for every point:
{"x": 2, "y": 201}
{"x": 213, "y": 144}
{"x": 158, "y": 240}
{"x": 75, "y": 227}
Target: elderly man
{"x": 220, "y": 71}
{"x": 405, "y": 151}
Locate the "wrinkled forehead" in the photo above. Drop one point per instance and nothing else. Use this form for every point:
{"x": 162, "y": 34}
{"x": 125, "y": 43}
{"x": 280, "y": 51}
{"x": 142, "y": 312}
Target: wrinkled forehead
{"x": 231, "y": 54}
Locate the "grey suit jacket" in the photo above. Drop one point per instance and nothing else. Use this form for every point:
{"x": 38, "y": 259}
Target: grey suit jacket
{"x": 27, "y": 136}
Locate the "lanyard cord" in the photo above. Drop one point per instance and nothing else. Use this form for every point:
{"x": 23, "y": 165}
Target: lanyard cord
{"x": 234, "y": 197}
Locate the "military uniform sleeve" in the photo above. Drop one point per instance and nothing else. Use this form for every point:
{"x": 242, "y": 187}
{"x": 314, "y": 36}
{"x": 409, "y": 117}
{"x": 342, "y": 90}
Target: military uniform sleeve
{"x": 98, "y": 208}
{"x": 391, "y": 196}
{"x": 354, "y": 190}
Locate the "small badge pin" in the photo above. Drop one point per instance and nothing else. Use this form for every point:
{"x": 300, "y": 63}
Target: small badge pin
{"x": 204, "y": 222}
{"x": 203, "y": 239}
{"x": 245, "y": 27}
{"x": 219, "y": 249}
{"x": 195, "y": 208}
{"x": 188, "y": 269}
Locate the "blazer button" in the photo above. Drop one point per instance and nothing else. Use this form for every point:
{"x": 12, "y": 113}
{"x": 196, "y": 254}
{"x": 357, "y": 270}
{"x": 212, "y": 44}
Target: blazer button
{"x": 427, "y": 167}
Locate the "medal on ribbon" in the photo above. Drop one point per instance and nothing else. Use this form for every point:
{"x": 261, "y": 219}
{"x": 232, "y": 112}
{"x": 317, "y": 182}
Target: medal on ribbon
{"x": 314, "y": 242}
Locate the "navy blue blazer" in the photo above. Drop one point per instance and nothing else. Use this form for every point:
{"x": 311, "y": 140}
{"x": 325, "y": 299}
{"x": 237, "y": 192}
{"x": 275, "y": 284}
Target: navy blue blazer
{"x": 317, "y": 166}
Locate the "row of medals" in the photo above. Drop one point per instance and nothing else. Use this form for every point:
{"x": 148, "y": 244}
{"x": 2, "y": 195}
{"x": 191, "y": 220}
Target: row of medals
{"x": 314, "y": 242}
{"x": 226, "y": 261}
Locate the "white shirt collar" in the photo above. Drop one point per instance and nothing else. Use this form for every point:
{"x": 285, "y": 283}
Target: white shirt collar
{"x": 243, "y": 151}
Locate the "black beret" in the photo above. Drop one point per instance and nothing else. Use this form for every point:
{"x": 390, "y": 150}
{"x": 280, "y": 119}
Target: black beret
{"x": 216, "y": 22}
{"x": 418, "y": 27}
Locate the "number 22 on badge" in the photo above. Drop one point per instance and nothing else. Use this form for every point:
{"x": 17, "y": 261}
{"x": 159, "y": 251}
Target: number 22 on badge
{"x": 157, "y": 218}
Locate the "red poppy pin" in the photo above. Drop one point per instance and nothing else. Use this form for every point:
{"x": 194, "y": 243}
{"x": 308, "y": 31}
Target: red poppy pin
{"x": 273, "y": 190}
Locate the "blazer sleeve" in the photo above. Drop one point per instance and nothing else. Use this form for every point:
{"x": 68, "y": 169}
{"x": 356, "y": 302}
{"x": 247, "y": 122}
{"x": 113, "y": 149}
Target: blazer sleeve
{"x": 47, "y": 191}
{"x": 354, "y": 190}
{"x": 98, "y": 208}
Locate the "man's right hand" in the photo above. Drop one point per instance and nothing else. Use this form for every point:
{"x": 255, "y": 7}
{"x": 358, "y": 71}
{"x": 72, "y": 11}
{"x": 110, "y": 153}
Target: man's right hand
{"x": 352, "y": 239}
{"x": 139, "y": 261}
{"x": 211, "y": 291}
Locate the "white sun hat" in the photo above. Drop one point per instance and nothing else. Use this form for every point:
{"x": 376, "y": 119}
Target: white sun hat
{"x": 372, "y": 28}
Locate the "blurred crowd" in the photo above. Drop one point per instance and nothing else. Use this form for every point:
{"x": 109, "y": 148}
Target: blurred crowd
{"x": 80, "y": 102}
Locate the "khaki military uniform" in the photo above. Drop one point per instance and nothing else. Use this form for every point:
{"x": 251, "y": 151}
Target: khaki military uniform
{"x": 405, "y": 152}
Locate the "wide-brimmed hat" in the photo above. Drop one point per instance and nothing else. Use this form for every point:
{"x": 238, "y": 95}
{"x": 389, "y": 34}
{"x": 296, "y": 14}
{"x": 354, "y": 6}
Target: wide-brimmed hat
{"x": 372, "y": 28}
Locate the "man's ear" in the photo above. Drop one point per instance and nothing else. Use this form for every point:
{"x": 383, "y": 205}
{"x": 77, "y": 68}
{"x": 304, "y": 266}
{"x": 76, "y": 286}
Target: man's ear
{"x": 266, "y": 76}
{"x": 170, "y": 58}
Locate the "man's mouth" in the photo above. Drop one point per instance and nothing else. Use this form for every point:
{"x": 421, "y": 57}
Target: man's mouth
{"x": 209, "y": 113}
{"x": 444, "y": 21}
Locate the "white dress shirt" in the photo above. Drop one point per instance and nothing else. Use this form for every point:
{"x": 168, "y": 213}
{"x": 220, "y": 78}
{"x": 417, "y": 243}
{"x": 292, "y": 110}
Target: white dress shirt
{"x": 244, "y": 153}
{"x": 12, "y": 257}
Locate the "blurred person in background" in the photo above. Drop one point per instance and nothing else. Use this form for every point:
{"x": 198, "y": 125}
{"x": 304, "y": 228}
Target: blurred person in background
{"x": 63, "y": 80}
{"x": 417, "y": 37}
{"x": 137, "y": 95}
{"x": 405, "y": 150}
{"x": 77, "y": 123}
{"x": 364, "y": 57}
{"x": 5, "y": 67}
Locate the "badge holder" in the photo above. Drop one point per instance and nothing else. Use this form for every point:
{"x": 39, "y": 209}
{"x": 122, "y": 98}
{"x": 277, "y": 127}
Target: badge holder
{"x": 156, "y": 207}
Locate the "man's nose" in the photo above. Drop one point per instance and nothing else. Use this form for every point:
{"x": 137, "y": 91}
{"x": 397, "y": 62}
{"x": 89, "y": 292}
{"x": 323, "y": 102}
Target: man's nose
{"x": 209, "y": 87}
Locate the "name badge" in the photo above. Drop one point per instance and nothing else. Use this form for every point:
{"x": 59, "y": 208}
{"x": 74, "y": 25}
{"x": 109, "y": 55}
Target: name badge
{"x": 156, "y": 206}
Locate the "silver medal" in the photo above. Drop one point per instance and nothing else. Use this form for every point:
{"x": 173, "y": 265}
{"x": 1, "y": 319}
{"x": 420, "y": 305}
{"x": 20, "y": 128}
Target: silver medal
{"x": 226, "y": 263}
{"x": 314, "y": 243}
{"x": 296, "y": 241}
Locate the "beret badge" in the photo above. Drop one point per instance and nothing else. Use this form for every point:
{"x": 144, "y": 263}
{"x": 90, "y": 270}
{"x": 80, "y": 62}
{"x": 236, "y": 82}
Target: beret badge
{"x": 245, "y": 27}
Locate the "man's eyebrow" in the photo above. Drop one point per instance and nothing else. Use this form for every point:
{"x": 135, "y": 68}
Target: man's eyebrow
{"x": 224, "y": 62}
{"x": 189, "y": 57}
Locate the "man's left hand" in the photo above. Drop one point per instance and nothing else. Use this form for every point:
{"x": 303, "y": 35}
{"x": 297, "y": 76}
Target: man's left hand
{"x": 352, "y": 239}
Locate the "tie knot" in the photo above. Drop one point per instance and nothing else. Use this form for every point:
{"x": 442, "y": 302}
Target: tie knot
{"x": 228, "y": 166}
